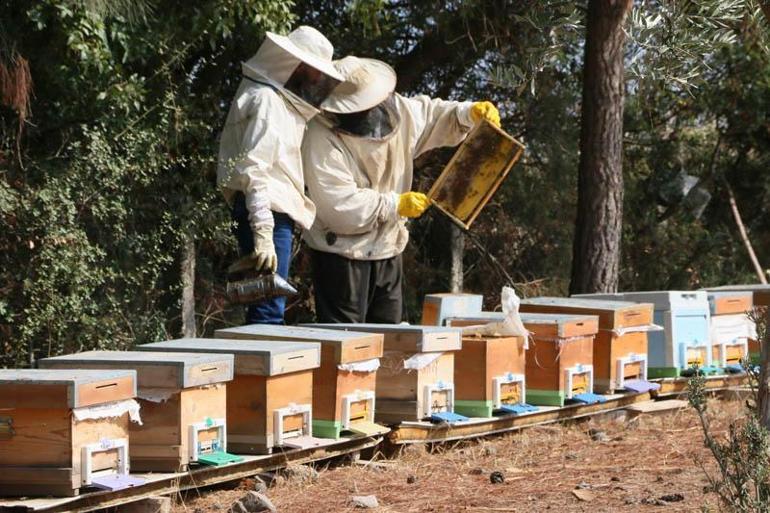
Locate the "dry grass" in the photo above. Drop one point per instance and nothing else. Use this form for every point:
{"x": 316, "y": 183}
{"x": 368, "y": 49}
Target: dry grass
{"x": 644, "y": 459}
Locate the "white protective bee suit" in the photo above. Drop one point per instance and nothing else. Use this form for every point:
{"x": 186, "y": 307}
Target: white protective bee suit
{"x": 259, "y": 152}
{"x": 354, "y": 182}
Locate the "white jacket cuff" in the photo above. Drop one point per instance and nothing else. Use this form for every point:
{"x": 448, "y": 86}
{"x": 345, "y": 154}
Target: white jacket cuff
{"x": 391, "y": 206}
{"x": 464, "y": 114}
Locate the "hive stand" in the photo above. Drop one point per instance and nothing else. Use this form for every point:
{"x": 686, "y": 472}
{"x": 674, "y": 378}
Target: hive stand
{"x": 425, "y": 392}
{"x": 620, "y": 346}
{"x": 343, "y": 388}
{"x": 731, "y": 328}
{"x": 684, "y": 344}
{"x": 269, "y": 400}
{"x": 45, "y": 449}
{"x": 183, "y": 405}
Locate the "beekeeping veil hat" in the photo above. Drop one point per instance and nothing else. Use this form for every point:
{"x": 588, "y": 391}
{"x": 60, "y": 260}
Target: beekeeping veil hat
{"x": 279, "y": 56}
{"x": 367, "y": 83}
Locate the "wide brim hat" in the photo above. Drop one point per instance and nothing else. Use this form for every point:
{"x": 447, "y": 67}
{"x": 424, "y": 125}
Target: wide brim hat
{"x": 366, "y": 84}
{"x": 307, "y": 38}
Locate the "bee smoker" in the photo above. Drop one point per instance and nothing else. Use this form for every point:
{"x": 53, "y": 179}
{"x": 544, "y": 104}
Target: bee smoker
{"x": 247, "y": 286}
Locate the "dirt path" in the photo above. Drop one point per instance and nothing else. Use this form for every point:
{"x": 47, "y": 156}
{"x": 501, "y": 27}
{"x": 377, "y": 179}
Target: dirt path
{"x": 635, "y": 464}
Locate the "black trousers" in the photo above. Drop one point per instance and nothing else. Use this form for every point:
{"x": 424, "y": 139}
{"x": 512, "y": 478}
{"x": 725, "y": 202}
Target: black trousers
{"x": 357, "y": 290}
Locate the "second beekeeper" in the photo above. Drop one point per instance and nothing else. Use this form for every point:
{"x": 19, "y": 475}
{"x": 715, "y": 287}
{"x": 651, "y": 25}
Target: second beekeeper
{"x": 260, "y": 166}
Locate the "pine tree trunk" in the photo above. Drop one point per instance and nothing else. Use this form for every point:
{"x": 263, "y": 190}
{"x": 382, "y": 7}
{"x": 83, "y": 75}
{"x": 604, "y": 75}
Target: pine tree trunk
{"x": 457, "y": 250}
{"x": 599, "y": 223}
{"x": 188, "y": 288}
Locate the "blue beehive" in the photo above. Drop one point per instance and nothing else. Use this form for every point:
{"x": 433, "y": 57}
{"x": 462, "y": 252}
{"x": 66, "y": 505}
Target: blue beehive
{"x": 685, "y": 342}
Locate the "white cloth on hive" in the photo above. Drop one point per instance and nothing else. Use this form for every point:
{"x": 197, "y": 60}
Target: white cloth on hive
{"x": 108, "y": 410}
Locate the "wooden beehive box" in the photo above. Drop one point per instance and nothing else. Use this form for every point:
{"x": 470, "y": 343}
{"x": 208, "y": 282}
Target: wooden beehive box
{"x": 732, "y": 329}
{"x": 269, "y": 401}
{"x": 559, "y": 357}
{"x": 436, "y": 308}
{"x": 620, "y": 346}
{"x": 490, "y": 374}
{"x": 685, "y": 341}
{"x": 56, "y": 434}
{"x": 760, "y": 298}
{"x": 422, "y": 388}
{"x": 474, "y": 173}
{"x": 182, "y": 398}
{"x": 344, "y": 384}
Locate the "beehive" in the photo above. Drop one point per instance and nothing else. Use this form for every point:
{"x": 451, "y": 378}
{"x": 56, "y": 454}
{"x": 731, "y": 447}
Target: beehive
{"x": 415, "y": 380}
{"x": 760, "y": 299}
{"x": 182, "y": 398}
{"x": 344, "y": 383}
{"x": 684, "y": 342}
{"x": 559, "y": 358}
{"x": 61, "y": 430}
{"x": 269, "y": 401}
{"x": 620, "y": 346}
{"x": 490, "y": 375}
{"x": 731, "y": 328}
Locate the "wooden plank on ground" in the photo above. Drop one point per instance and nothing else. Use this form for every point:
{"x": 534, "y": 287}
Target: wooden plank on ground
{"x": 164, "y": 484}
{"x": 671, "y": 387}
{"x": 425, "y": 432}
{"x": 665, "y": 405}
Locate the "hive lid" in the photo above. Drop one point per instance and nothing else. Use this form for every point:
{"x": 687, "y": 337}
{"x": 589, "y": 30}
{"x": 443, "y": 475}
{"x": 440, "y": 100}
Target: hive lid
{"x": 408, "y": 337}
{"x": 256, "y": 357}
{"x": 347, "y": 346}
{"x": 64, "y": 388}
{"x": 761, "y": 292}
{"x": 154, "y": 369}
{"x": 662, "y": 299}
{"x": 560, "y": 325}
{"x": 612, "y": 313}
{"x": 436, "y": 308}
{"x": 730, "y": 302}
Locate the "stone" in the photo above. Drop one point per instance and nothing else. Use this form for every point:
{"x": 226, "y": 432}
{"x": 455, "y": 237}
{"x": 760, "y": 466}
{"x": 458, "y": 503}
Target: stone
{"x": 365, "y": 501}
{"x": 411, "y": 479}
{"x": 302, "y": 473}
{"x": 255, "y": 501}
{"x": 583, "y": 495}
{"x": 496, "y": 477}
{"x": 477, "y": 471}
{"x": 597, "y": 435}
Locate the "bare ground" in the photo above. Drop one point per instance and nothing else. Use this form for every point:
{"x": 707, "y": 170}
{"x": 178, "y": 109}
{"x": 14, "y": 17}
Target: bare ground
{"x": 638, "y": 463}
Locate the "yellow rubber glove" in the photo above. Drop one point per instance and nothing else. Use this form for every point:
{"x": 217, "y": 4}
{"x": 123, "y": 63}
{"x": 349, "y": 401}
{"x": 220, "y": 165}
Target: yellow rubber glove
{"x": 485, "y": 110}
{"x": 412, "y": 204}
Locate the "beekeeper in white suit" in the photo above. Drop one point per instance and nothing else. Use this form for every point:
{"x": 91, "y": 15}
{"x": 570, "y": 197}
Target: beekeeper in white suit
{"x": 358, "y": 169}
{"x": 260, "y": 167}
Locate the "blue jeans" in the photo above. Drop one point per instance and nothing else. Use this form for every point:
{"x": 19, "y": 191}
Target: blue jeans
{"x": 271, "y": 311}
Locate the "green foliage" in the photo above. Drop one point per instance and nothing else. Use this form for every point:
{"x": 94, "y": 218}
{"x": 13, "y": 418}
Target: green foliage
{"x": 114, "y": 170}
{"x": 117, "y": 166}
{"x": 742, "y": 456}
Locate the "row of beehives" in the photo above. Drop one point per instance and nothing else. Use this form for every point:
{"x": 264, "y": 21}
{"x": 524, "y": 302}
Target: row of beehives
{"x": 199, "y": 400}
